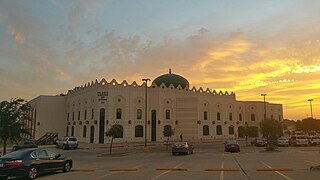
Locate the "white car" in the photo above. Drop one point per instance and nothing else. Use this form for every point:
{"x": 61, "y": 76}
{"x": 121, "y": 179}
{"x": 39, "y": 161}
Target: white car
{"x": 314, "y": 140}
{"x": 282, "y": 141}
{"x": 298, "y": 141}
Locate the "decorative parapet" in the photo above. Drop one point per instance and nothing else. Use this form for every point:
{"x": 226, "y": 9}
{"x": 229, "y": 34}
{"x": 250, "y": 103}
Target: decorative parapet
{"x": 124, "y": 83}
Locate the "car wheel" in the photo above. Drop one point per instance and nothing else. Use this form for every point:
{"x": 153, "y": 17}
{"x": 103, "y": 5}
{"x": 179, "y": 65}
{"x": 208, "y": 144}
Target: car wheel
{"x": 192, "y": 152}
{"x": 65, "y": 147}
{"x": 67, "y": 166}
{"x": 173, "y": 154}
{"x": 32, "y": 172}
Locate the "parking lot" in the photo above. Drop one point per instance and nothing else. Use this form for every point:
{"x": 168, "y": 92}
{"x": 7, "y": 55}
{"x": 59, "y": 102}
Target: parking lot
{"x": 208, "y": 162}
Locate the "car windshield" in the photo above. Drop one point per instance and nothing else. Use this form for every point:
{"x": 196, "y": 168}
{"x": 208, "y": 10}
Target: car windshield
{"x": 15, "y": 155}
{"x": 231, "y": 142}
{"x": 178, "y": 144}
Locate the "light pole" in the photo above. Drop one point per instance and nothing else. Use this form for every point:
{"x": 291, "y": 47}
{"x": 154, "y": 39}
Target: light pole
{"x": 264, "y": 105}
{"x": 146, "y": 149}
{"x": 310, "y": 100}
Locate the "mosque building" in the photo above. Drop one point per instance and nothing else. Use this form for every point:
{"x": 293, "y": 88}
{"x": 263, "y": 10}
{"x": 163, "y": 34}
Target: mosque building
{"x": 88, "y": 111}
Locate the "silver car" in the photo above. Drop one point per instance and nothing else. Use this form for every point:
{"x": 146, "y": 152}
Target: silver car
{"x": 282, "y": 141}
{"x": 68, "y": 142}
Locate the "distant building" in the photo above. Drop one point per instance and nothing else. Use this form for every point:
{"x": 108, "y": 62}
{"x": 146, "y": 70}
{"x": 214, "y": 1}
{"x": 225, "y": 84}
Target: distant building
{"x": 197, "y": 114}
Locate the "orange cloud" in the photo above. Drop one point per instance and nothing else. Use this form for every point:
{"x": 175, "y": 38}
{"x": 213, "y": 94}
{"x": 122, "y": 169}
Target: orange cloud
{"x": 18, "y": 36}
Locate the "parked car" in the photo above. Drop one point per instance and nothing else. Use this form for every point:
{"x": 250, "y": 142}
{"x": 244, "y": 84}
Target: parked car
{"x": 282, "y": 141}
{"x": 68, "y": 142}
{"x": 24, "y": 145}
{"x": 259, "y": 142}
{"x": 231, "y": 146}
{"x": 314, "y": 140}
{"x": 298, "y": 141}
{"x": 29, "y": 163}
{"x": 182, "y": 147}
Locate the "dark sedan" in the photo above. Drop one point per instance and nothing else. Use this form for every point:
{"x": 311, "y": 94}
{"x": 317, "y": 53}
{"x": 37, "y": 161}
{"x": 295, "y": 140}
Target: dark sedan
{"x": 24, "y": 145}
{"x": 29, "y": 163}
{"x": 182, "y": 147}
{"x": 231, "y": 146}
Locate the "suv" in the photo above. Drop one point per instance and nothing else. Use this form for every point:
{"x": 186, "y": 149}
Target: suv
{"x": 298, "y": 141}
{"x": 68, "y": 142}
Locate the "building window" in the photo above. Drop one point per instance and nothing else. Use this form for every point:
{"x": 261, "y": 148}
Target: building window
{"x": 72, "y": 116}
{"x": 78, "y": 115}
{"x": 92, "y": 113}
{"x": 205, "y": 115}
{"x": 138, "y": 131}
{"x": 72, "y": 130}
{"x": 85, "y": 114}
{"x": 118, "y": 113}
{"x": 167, "y": 114}
{"x": 230, "y": 116}
{"x": 67, "y": 131}
{"x": 68, "y": 117}
{"x": 219, "y": 130}
{"x": 218, "y": 116}
{"x": 240, "y": 117}
{"x": 139, "y": 114}
{"x": 231, "y": 130}
{"x": 121, "y": 133}
{"x": 253, "y": 117}
{"x": 167, "y": 130}
{"x": 272, "y": 117}
{"x": 205, "y": 131}
{"x": 279, "y": 118}
{"x": 84, "y": 133}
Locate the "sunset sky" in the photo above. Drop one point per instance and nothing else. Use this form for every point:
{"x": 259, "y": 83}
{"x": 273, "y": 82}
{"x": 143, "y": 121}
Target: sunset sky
{"x": 247, "y": 46}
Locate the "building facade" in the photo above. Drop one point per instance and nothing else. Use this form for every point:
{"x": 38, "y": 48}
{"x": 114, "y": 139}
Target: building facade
{"x": 90, "y": 110}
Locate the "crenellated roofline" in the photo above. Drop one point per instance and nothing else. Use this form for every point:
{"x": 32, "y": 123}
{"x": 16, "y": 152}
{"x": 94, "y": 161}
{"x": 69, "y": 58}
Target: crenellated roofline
{"x": 124, "y": 83}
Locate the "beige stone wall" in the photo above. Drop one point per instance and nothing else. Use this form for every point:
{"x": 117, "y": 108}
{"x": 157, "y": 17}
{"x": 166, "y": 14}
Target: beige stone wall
{"x": 49, "y": 115}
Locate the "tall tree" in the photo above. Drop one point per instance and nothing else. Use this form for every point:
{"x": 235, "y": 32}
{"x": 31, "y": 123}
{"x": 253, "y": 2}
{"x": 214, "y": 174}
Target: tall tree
{"x": 168, "y": 132}
{"x": 271, "y": 129}
{"x": 13, "y": 115}
{"x": 116, "y": 131}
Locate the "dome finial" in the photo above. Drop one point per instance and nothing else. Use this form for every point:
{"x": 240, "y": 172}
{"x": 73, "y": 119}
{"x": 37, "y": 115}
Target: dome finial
{"x": 169, "y": 70}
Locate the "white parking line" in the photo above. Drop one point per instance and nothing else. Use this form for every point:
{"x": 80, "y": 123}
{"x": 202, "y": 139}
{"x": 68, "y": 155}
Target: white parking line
{"x": 221, "y": 173}
{"x": 166, "y": 172}
{"x": 276, "y": 171}
{"x": 312, "y": 162}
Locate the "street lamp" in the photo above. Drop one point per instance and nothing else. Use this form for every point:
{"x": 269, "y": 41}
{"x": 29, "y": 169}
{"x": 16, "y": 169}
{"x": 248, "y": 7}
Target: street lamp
{"x": 264, "y": 105}
{"x": 310, "y": 100}
{"x": 146, "y": 149}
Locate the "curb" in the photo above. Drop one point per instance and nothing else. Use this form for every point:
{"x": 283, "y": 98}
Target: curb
{"x": 171, "y": 169}
{"x": 274, "y": 169}
{"x": 83, "y": 170}
{"x": 124, "y": 169}
{"x": 222, "y": 169}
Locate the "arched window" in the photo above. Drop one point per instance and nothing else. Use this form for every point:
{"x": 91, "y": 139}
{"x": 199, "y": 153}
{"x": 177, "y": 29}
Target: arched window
{"x": 253, "y": 117}
{"x": 231, "y": 130}
{"x": 85, "y": 114}
{"x": 167, "y": 131}
{"x": 84, "y": 133}
{"x": 118, "y": 113}
{"x": 121, "y": 133}
{"x": 72, "y": 131}
{"x": 78, "y": 115}
{"x": 230, "y": 116}
{"x": 205, "y": 115}
{"x": 67, "y": 131}
{"x": 167, "y": 114}
{"x": 72, "y": 116}
{"x": 240, "y": 117}
{"x": 139, "y": 114}
{"x": 218, "y": 116}
{"x": 219, "y": 130}
{"x": 205, "y": 130}
{"x": 138, "y": 131}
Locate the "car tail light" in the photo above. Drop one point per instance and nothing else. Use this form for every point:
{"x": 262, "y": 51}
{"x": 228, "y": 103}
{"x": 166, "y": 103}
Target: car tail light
{"x": 14, "y": 163}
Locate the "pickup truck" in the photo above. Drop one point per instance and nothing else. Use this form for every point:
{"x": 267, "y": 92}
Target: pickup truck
{"x": 68, "y": 142}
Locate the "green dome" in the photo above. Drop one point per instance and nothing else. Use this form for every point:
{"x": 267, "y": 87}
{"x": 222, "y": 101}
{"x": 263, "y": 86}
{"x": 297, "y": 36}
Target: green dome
{"x": 173, "y": 79}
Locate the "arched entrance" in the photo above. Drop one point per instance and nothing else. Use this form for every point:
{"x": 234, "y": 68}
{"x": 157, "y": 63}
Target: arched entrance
{"x": 153, "y": 125}
{"x": 101, "y": 126}
{"x": 92, "y": 134}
